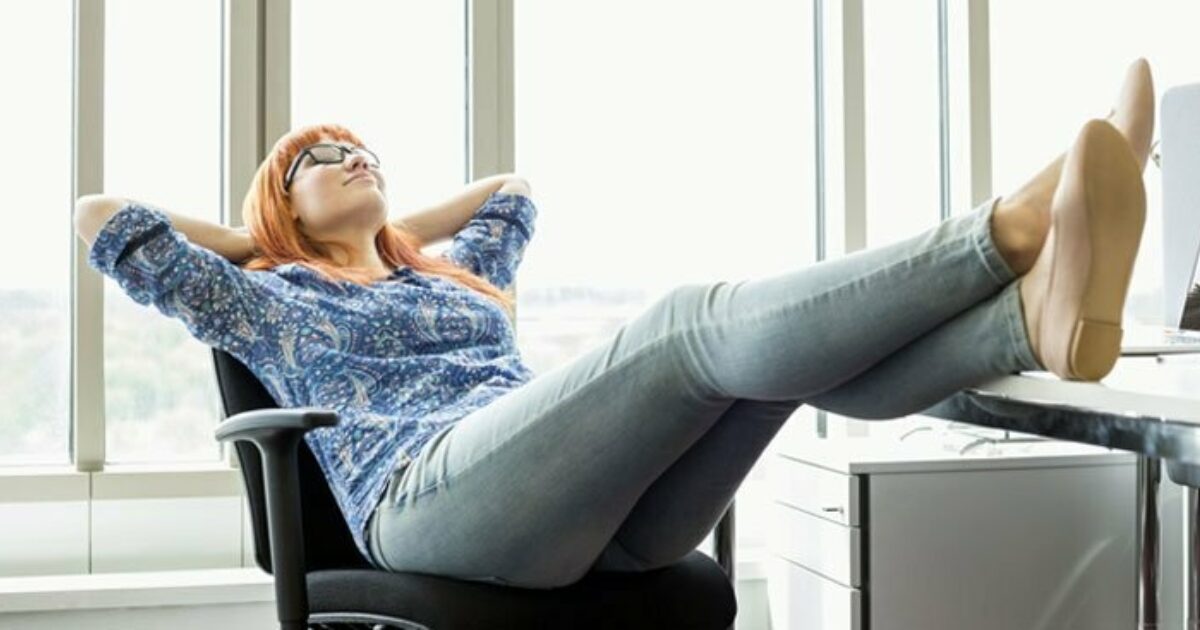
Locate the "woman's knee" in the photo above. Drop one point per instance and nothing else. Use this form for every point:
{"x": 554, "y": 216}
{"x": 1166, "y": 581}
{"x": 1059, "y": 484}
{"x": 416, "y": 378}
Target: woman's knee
{"x": 679, "y": 304}
{"x": 692, "y": 302}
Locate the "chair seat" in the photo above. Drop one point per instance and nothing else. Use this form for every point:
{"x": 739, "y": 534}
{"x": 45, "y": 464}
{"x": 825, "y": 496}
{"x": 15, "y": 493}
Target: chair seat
{"x": 693, "y": 593}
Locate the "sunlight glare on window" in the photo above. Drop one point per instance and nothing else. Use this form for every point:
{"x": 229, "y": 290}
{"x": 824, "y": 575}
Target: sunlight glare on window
{"x": 162, "y": 129}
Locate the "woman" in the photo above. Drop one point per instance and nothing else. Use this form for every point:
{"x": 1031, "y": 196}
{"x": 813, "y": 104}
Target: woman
{"x": 453, "y": 459}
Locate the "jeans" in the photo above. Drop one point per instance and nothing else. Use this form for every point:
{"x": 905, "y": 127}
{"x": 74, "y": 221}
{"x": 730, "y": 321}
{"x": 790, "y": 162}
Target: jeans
{"x": 625, "y": 458}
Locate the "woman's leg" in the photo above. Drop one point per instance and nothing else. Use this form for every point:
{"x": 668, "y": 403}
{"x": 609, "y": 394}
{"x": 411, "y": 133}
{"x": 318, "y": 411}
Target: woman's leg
{"x": 794, "y": 335}
{"x": 530, "y": 489}
{"x": 985, "y": 342}
{"x": 990, "y": 339}
{"x": 680, "y": 508}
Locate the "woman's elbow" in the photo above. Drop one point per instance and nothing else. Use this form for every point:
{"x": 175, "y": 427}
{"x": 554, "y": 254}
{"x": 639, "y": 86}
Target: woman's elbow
{"x": 97, "y": 203}
{"x": 515, "y": 185}
{"x": 91, "y": 212}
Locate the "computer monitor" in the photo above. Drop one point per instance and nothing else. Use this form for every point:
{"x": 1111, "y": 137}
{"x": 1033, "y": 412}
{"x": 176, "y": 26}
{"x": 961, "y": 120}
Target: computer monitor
{"x": 1180, "y": 150}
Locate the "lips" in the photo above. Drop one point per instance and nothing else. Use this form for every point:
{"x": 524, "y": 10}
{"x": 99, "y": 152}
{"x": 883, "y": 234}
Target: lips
{"x": 358, "y": 177}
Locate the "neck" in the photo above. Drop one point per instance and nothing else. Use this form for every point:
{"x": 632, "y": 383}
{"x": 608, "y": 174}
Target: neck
{"x": 361, "y": 254}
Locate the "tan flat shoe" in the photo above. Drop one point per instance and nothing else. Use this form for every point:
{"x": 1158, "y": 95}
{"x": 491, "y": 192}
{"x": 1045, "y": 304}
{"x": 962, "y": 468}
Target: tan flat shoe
{"x": 1133, "y": 113}
{"x": 1097, "y": 216}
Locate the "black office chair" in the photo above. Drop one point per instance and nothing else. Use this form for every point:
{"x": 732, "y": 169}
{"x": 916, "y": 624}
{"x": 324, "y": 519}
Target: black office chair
{"x": 323, "y": 581}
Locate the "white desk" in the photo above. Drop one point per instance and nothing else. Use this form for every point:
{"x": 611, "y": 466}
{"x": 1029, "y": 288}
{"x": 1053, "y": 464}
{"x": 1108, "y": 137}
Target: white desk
{"x": 1147, "y": 405}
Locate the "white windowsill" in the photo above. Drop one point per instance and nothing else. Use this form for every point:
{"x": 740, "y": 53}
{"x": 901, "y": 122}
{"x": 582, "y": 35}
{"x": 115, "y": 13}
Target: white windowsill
{"x": 135, "y": 590}
{"x": 181, "y": 588}
{"x": 52, "y": 470}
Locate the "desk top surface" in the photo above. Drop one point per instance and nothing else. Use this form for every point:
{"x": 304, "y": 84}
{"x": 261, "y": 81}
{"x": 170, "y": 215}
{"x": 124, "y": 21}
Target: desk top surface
{"x": 1159, "y": 387}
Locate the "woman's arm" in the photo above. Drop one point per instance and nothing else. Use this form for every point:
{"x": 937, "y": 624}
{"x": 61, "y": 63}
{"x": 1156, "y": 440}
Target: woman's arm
{"x": 444, "y": 220}
{"x": 93, "y": 211}
{"x": 145, "y": 251}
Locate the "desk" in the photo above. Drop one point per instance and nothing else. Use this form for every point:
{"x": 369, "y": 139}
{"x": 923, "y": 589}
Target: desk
{"x": 1147, "y": 405}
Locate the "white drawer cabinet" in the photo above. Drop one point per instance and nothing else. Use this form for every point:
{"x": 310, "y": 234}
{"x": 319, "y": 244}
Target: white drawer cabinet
{"x": 826, "y": 493}
{"x": 806, "y": 601}
{"x": 830, "y": 549}
{"x": 943, "y": 541}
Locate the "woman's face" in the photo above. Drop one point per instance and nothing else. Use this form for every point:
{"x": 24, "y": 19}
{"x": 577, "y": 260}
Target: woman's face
{"x": 338, "y": 199}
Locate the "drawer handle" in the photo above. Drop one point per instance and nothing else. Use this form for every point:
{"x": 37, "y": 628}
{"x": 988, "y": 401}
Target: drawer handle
{"x": 837, "y": 509}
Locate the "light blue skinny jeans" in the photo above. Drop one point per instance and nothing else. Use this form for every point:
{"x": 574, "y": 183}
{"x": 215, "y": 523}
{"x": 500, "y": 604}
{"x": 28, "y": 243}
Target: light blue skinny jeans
{"x": 625, "y": 458}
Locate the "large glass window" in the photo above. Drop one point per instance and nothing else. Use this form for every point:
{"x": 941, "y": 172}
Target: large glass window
{"x": 1057, "y": 64}
{"x": 670, "y": 148}
{"x": 395, "y": 74}
{"x": 35, "y": 246}
{"x": 162, "y": 130}
{"x": 900, "y": 50}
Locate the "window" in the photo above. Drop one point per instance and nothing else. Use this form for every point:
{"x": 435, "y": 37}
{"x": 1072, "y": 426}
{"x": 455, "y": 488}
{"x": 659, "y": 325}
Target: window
{"x": 394, "y": 74}
{"x": 900, "y": 47}
{"x": 658, "y": 165}
{"x": 1043, "y": 92}
{"x": 35, "y": 248}
{"x": 162, "y": 130}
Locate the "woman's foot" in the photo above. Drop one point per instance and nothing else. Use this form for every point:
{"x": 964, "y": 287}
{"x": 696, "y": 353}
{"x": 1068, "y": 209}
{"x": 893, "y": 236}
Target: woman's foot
{"x": 1022, "y": 219}
{"x": 1074, "y": 294}
{"x": 1133, "y": 114}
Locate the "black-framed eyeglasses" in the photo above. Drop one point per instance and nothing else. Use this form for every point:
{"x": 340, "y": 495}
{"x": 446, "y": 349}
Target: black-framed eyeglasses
{"x": 325, "y": 153}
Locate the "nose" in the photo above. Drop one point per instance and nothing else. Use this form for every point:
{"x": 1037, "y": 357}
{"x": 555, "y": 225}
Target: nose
{"x": 355, "y": 160}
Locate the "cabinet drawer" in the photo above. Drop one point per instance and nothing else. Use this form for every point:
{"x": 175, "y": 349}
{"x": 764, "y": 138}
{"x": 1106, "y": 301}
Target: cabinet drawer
{"x": 829, "y": 549}
{"x": 802, "y": 600}
{"x": 830, "y": 494}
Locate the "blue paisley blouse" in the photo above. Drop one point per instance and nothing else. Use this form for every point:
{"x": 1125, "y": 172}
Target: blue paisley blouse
{"x": 399, "y": 360}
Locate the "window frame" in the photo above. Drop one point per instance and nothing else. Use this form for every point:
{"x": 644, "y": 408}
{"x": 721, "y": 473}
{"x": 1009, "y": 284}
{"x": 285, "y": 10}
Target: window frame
{"x": 255, "y": 110}
{"x": 255, "y": 106}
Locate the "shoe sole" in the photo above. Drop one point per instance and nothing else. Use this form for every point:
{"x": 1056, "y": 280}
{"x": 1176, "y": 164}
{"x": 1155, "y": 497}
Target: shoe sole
{"x": 1101, "y": 194}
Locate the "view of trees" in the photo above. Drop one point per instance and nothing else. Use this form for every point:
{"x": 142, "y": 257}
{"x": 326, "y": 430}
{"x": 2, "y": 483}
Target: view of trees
{"x": 155, "y": 386}
{"x": 34, "y": 372}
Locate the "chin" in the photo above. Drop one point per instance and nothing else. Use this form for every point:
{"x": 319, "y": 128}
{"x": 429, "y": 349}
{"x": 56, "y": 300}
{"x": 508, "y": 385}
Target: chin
{"x": 367, "y": 198}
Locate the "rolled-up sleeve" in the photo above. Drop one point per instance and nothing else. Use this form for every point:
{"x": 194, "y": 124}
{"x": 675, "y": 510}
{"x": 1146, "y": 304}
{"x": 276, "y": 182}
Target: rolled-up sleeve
{"x": 493, "y": 241}
{"x": 155, "y": 264}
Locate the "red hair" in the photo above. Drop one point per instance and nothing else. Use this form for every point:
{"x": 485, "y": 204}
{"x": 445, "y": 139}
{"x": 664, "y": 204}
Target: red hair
{"x": 265, "y": 212}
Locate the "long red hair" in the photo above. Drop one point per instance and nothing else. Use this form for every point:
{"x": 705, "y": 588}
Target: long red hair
{"x": 266, "y": 213}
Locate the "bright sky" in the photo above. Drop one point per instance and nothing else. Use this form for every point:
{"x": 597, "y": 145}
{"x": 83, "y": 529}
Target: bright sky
{"x": 35, "y": 63}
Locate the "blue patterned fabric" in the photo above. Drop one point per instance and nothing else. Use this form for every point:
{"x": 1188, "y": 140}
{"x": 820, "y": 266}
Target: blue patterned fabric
{"x": 399, "y": 361}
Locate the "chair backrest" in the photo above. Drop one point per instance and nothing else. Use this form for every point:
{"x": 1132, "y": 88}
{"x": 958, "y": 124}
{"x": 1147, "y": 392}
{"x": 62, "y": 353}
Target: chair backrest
{"x": 327, "y": 540}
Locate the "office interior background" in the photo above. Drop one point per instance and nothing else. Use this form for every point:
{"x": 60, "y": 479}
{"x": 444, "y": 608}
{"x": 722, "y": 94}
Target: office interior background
{"x": 666, "y": 142}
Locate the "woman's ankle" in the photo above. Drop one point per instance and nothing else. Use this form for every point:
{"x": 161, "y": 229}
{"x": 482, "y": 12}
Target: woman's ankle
{"x": 1018, "y": 231}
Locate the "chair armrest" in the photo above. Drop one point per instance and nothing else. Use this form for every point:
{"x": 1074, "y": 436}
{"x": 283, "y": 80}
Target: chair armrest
{"x": 262, "y": 425}
{"x": 277, "y": 433}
